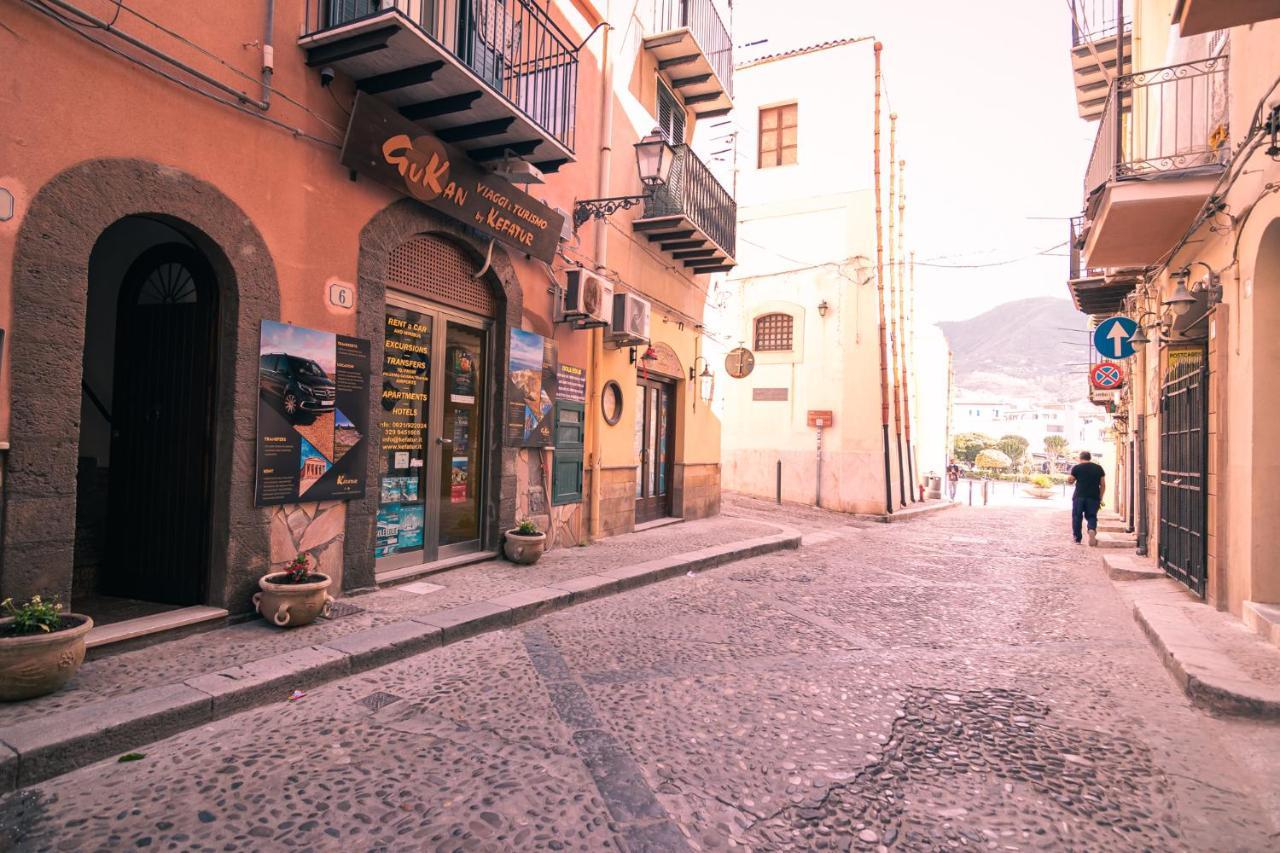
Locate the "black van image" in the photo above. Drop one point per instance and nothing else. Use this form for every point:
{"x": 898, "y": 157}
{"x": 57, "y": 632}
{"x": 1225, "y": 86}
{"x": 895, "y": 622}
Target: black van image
{"x": 298, "y": 386}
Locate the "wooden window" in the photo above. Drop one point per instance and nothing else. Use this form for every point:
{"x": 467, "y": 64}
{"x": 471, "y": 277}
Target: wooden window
{"x": 773, "y": 333}
{"x": 671, "y": 117}
{"x": 778, "y": 129}
{"x": 566, "y": 483}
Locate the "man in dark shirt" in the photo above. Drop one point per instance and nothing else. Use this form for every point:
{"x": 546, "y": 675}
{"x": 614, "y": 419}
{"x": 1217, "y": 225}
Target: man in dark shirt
{"x": 1091, "y": 484}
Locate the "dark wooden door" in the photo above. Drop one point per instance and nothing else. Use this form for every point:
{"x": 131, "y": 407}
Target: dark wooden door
{"x": 161, "y": 440}
{"x": 655, "y": 448}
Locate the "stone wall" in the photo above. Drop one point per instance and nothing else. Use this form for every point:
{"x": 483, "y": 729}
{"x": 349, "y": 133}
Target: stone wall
{"x": 696, "y": 491}
{"x": 315, "y": 529}
{"x": 617, "y": 500}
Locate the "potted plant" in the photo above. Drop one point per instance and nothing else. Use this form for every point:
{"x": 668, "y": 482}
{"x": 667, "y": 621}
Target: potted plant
{"x": 525, "y": 543}
{"x": 40, "y": 647}
{"x": 1041, "y": 486}
{"x": 295, "y": 596}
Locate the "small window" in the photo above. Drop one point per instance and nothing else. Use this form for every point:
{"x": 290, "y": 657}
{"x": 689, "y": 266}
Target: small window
{"x": 773, "y": 333}
{"x": 778, "y": 140}
{"x": 671, "y": 117}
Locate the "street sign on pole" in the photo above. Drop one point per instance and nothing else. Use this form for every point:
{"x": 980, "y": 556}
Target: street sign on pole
{"x": 1107, "y": 376}
{"x": 1114, "y": 337}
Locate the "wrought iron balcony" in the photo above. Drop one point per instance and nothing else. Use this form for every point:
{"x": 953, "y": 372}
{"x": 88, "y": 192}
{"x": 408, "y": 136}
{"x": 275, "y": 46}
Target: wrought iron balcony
{"x": 490, "y": 76}
{"x": 692, "y": 217}
{"x": 694, "y": 52}
{"x": 1096, "y": 44}
{"x": 1161, "y": 145}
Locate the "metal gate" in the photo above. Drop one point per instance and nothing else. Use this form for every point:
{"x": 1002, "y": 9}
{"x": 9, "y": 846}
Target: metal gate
{"x": 1183, "y": 475}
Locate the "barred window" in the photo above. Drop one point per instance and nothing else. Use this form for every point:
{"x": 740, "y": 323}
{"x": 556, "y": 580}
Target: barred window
{"x": 773, "y": 333}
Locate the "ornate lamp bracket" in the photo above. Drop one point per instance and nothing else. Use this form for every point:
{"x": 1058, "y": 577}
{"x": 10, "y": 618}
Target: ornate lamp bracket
{"x": 599, "y": 208}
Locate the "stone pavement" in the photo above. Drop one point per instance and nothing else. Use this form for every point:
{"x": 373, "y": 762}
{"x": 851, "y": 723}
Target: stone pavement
{"x": 967, "y": 680}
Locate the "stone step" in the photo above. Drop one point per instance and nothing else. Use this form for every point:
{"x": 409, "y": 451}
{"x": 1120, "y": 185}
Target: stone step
{"x": 1130, "y": 567}
{"x": 1117, "y": 540}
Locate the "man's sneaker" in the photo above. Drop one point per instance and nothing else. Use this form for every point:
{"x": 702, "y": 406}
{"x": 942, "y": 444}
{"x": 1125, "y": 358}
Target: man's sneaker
{"x": 1093, "y": 538}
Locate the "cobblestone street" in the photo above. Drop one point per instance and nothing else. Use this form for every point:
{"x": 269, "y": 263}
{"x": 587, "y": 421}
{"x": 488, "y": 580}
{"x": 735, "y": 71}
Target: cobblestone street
{"x": 969, "y": 679}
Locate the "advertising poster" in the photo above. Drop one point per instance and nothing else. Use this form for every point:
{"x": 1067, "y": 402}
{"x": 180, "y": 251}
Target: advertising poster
{"x": 406, "y": 373}
{"x": 458, "y": 480}
{"x": 572, "y": 384}
{"x": 531, "y": 390}
{"x": 313, "y": 393}
{"x": 462, "y": 375}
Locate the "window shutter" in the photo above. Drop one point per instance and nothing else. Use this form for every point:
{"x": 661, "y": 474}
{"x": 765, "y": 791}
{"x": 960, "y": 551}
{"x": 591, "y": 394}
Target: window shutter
{"x": 671, "y": 117}
{"x": 566, "y": 479}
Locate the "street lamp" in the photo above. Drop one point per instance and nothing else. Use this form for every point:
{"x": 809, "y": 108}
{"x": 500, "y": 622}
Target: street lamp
{"x": 654, "y": 158}
{"x": 1181, "y": 301}
{"x": 823, "y": 307}
{"x": 707, "y": 379}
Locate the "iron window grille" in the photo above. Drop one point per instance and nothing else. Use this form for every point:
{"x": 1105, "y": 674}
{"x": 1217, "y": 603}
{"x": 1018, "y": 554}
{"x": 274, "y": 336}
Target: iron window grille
{"x": 774, "y": 333}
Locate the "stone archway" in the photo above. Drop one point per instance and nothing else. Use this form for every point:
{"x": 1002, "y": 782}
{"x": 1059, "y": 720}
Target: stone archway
{"x": 388, "y": 228}
{"x": 50, "y": 283}
{"x": 1264, "y": 468}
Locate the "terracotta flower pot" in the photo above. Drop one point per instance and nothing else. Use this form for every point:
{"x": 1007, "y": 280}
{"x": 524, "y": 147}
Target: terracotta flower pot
{"x": 522, "y": 549}
{"x": 35, "y": 664}
{"x": 1039, "y": 492}
{"x": 292, "y": 604}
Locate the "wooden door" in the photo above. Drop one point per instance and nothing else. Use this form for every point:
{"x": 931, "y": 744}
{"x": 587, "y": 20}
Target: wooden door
{"x": 162, "y": 428}
{"x": 655, "y": 448}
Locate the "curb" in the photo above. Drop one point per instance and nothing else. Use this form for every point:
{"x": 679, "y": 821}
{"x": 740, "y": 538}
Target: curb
{"x": 58, "y": 743}
{"x": 908, "y": 514}
{"x": 1129, "y": 567}
{"x": 1207, "y": 676}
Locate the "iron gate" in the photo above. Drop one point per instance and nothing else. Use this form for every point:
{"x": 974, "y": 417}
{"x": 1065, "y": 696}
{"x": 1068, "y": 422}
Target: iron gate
{"x": 1183, "y": 476}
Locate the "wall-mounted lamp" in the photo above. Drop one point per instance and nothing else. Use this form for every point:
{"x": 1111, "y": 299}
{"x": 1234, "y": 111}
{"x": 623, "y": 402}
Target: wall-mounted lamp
{"x": 654, "y": 157}
{"x": 706, "y": 379}
{"x": 823, "y": 308}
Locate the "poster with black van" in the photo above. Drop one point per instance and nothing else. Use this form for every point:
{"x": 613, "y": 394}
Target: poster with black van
{"x": 313, "y": 411}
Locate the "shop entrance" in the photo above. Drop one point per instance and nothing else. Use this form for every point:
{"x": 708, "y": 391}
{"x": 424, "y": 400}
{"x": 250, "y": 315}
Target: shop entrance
{"x": 1183, "y": 453}
{"x": 434, "y": 421}
{"x": 146, "y": 435}
{"x": 655, "y": 448}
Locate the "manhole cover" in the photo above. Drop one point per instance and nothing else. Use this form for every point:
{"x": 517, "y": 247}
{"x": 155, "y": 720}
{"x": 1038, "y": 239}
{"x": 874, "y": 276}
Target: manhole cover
{"x": 338, "y": 609}
{"x": 374, "y": 701}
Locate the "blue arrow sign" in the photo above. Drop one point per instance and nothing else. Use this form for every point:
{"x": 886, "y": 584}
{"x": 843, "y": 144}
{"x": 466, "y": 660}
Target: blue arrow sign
{"x": 1114, "y": 337}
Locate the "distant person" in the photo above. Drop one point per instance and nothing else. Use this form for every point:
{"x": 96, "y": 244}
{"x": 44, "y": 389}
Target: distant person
{"x": 1091, "y": 485}
{"x": 953, "y": 479}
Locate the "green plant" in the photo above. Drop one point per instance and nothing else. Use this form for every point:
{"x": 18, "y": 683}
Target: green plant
{"x": 34, "y": 616}
{"x": 298, "y": 571}
{"x": 1013, "y": 446}
{"x": 1042, "y": 481}
{"x": 527, "y": 528}
{"x": 967, "y": 445}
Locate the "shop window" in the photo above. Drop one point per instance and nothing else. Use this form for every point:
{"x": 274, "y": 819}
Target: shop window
{"x": 773, "y": 333}
{"x": 566, "y": 482}
{"x": 779, "y": 127}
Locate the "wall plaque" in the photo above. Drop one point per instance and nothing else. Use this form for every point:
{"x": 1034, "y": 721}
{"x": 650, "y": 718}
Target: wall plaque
{"x": 769, "y": 394}
{"x": 392, "y": 150}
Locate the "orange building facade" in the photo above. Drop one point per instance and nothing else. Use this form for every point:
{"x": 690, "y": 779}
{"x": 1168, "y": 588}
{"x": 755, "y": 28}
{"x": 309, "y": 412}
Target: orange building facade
{"x": 197, "y": 201}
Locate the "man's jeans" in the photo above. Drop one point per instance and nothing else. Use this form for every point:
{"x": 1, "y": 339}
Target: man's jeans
{"x": 951, "y": 488}
{"x": 1087, "y": 509}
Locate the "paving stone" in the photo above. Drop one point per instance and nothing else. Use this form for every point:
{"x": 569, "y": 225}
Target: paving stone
{"x": 377, "y": 646}
{"x": 270, "y": 679}
{"x": 467, "y": 620}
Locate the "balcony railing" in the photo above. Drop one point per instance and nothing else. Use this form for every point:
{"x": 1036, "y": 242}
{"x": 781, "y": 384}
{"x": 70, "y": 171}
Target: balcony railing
{"x": 511, "y": 45}
{"x": 1075, "y": 245}
{"x": 1175, "y": 121}
{"x": 702, "y": 19}
{"x": 693, "y": 192}
{"x": 1094, "y": 21}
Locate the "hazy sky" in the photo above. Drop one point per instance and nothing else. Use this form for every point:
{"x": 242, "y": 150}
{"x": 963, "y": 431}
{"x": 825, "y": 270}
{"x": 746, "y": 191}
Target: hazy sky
{"x": 986, "y": 122}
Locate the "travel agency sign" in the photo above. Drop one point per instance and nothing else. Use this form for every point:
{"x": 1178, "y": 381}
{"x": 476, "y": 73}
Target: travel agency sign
{"x": 392, "y": 150}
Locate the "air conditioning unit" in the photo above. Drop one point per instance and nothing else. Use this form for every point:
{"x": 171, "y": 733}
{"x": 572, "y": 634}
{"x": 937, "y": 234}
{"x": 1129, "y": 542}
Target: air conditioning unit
{"x": 629, "y": 326}
{"x": 588, "y": 298}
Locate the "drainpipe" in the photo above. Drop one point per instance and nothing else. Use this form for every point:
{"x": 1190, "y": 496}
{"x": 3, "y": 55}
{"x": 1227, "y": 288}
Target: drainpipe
{"x": 268, "y": 53}
{"x": 884, "y": 349}
{"x": 601, "y": 255}
{"x": 1140, "y": 388}
{"x": 895, "y": 306}
{"x": 908, "y": 361}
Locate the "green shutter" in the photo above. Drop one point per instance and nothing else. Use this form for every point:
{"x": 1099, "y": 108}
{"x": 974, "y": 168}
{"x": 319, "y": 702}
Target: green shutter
{"x": 566, "y": 481}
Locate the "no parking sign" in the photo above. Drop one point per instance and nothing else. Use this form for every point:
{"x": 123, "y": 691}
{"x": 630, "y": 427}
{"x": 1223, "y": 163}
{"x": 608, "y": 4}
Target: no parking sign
{"x": 1107, "y": 376}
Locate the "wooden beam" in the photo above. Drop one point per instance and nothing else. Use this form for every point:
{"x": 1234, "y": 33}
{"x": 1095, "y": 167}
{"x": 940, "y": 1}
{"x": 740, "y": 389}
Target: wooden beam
{"x": 706, "y": 270}
{"x": 550, "y": 166}
{"x": 694, "y": 253}
{"x": 664, "y": 64}
{"x": 683, "y": 244}
{"x": 440, "y": 106}
{"x": 703, "y": 99}
{"x": 670, "y": 235}
{"x": 392, "y": 80}
{"x": 713, "y": 113}
{"x": 523, "y": 148}
{"x": 695, "y": 80}
{"x": 347, "y": 48}
{"x": 478, "y": 130}
{"x": 704, "y": 262}
{"x": 656, "y": 224}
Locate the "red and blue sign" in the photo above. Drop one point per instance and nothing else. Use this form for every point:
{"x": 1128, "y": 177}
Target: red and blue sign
{"x": 1107, "y": 376}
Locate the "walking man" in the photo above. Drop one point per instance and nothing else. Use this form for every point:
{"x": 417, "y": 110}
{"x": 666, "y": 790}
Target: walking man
{"x": 953, "y": 479}
{"x": 1091, "y": 484}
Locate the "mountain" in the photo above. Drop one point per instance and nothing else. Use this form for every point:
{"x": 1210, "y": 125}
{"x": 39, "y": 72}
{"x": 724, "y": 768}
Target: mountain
{"x": 1030, "y": 349}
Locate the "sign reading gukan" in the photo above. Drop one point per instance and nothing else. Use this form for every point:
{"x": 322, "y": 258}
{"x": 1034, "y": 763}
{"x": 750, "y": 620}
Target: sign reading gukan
{"x": 394, "y": 151}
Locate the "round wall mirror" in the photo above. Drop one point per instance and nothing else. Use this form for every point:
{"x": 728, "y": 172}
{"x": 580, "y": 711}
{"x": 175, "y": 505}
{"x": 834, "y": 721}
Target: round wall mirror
{"x": 611, "y": 402}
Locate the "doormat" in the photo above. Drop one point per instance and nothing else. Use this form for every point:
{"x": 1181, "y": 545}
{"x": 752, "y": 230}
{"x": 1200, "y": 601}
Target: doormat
{"x": 378, "y": 700}
{"x": 339, "y": 609}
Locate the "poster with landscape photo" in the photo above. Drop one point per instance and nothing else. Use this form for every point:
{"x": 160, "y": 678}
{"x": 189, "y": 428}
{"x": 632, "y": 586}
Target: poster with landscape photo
{"x": 313, "y": 402}
{"x": 531, "y": 390}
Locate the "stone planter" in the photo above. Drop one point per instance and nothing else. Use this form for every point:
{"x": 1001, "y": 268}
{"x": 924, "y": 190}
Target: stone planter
{"x": 292, "y": 604}
{"x": 524, "y": 550}
{"x": 1038, "y": 492}
{"x": 35, "y": 664}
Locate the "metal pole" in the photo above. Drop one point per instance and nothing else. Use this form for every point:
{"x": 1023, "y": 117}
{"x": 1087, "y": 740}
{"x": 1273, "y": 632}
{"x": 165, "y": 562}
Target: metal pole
{"x": 817, "y": 499}
{"x": 779, "y": 498}
{"x": 895, "y": 305}
{"x": 884, "y": 344}
{"x": 970, "y": 482}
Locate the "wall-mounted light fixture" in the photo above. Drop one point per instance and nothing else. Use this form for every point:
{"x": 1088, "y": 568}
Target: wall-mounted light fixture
{"x": 654, "y": 157}
{"x": 706, "y": 379}
{"x": 6, "y": 205}
{"x": 823, "y": 308}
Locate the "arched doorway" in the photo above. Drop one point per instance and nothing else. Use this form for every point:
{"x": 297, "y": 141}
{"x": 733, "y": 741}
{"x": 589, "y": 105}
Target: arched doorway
{"x": 144, "y": 478}
{"x": 1264, "y": 467}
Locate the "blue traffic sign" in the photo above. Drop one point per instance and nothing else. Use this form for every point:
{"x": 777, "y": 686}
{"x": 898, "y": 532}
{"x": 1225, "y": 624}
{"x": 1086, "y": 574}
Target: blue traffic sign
{"x": 1114, "y": 337}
